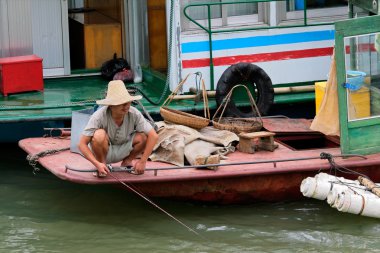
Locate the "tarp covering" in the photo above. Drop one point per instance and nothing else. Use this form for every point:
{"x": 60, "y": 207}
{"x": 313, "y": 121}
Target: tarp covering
{"x": 327, "y": 120}
{"x": 206, "y": 146}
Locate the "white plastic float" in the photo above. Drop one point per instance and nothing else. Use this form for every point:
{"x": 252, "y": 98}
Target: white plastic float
{"x": 322, "y": 184}
{"x": 343, "y": 194}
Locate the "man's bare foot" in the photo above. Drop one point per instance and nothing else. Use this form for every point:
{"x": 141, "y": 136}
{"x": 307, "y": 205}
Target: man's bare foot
{"x": 97, "y": 174}
{"x": 126, "y": 163}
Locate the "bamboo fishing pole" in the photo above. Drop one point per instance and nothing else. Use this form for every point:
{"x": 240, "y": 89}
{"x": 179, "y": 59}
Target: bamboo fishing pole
{"x": 154, "y": 204}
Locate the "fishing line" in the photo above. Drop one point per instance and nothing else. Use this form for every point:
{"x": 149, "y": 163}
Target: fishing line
{"x": 154, "y": 204}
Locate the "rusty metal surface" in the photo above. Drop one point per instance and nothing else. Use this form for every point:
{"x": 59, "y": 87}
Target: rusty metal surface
{"x": 287, "y": 125}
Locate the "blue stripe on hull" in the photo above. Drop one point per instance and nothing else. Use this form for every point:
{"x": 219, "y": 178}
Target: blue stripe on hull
{"x": 258, "y": 41}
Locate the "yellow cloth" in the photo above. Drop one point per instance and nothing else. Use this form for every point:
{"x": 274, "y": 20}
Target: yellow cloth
{"x": 327, "y": 119}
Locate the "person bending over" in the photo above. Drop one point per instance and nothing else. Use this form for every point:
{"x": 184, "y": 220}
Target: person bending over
{"x": 117, "y": 132}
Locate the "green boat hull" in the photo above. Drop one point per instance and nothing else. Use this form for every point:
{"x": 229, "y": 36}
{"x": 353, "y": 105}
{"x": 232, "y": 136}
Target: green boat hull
{"x": 26, "y": 114}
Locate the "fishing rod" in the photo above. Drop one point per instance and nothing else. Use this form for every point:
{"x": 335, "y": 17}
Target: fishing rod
{"x": 323, "y": 155}
{"x": 112, "y": 169}
{"x": 130, "y": 169}
{"x": 154, "y": 204}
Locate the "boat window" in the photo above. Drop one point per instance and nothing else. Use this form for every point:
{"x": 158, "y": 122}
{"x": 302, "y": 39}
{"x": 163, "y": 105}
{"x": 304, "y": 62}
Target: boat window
{"x": 317, "y": 11}
{"x": 221, "y": 14}
{"x": 362, "y": 63}
{"x": 292, "y": 5}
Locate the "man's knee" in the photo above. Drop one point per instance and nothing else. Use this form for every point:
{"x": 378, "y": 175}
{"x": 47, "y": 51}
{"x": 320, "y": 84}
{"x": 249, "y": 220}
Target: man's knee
{"x": 140, "y": 139}
{"x": 100, "y": 137}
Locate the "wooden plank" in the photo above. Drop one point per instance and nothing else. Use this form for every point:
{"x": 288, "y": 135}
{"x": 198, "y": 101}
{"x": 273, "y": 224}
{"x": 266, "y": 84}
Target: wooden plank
{"x": 256, "y": 134}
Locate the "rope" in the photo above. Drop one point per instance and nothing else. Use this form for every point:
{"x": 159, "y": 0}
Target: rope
{"x": 53, "y": 106}
{"x": 33, "y": 159}
{"x": 338, "y": 168}
{"x": 334, "y": 168}
{"x": 152, "y": 203}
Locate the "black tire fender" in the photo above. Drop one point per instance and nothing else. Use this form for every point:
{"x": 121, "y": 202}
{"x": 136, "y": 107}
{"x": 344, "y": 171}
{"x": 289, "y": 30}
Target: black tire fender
{"x": 245, "y": 73}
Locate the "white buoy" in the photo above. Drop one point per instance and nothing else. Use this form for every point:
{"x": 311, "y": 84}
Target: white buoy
{"x": 308, "y": 186}
{"x": 343, "y": 194}
{"x": 322, "y": 184}
{"x": 333, "y": 194}
{"x": 318, "y": 187}
{"x": 349, "y": 202}
{"x": 372, "y": 207}
{"x": 338, "y": 187}
{"x": 365, "y": 203}
{"x": 315, "y": 188}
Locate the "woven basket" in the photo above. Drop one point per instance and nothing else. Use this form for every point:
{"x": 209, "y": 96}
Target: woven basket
{"x": 184, "y": 118}
{"x": 237, "y": 125}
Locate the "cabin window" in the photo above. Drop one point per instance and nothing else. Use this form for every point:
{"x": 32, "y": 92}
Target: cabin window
{"x": 362, "y": 63}
{"x": 292, "y": 5}
{"x": 317, "y": 10}
{"x": 221, "y": 15}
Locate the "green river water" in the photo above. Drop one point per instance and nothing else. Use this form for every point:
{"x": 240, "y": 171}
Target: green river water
{"x": 40, "y": 213}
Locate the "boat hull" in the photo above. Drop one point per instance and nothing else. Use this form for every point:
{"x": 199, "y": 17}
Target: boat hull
{"x": 244, "y": 189}
{"x": 245, "y": 178}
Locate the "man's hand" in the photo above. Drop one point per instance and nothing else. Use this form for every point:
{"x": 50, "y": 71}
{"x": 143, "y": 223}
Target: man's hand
{"x": 139, "y": 167}
{"x": 102, "y": 170}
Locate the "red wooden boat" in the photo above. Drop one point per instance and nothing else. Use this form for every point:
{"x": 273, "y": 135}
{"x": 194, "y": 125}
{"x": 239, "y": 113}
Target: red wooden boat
{"x": 261, "y": 176}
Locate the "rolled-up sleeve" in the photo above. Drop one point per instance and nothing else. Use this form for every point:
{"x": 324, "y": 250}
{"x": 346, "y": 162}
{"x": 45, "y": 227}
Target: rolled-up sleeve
{"x": 95, "y": 122}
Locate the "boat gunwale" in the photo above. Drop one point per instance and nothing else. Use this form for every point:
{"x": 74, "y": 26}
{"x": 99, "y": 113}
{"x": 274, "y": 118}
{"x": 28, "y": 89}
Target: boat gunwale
{"x": 260, "y": 169}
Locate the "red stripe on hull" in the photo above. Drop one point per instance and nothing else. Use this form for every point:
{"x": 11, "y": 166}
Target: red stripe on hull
{"x": 265, "y": 57}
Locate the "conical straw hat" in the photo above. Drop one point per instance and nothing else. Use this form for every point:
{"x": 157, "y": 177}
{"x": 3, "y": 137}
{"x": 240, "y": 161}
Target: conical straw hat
{"x": 117, "y": 94}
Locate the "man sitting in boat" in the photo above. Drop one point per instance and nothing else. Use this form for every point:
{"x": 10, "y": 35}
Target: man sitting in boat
{"x": 117, "y": 132}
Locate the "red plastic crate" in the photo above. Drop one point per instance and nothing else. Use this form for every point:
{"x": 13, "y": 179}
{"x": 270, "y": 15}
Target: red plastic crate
{"x": 21, "y": 73}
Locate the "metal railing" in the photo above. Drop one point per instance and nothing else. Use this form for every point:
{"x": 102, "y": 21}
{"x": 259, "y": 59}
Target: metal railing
{"x": 211, "y": 31}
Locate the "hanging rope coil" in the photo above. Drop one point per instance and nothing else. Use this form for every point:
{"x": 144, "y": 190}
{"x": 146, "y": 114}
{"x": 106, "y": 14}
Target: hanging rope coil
{"x": 33, "y": 159}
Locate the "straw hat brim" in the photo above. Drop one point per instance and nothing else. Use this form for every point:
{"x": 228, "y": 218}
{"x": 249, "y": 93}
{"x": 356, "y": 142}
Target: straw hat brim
{"x": 118, "y": 100}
